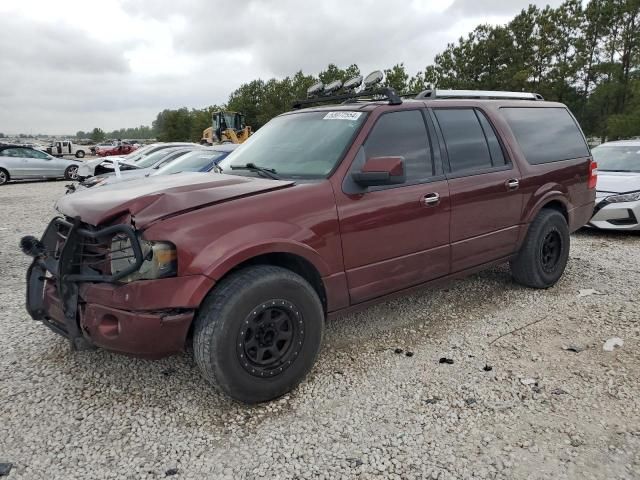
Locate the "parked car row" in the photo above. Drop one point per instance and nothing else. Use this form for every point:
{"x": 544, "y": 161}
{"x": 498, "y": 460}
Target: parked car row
{"x": 164, "y": 162}
{"x": 324, "y": 210}
{"x": 100, "y": 166}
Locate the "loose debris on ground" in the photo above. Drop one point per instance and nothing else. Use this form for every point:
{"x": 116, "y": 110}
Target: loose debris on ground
{"x": 96, "y": 415}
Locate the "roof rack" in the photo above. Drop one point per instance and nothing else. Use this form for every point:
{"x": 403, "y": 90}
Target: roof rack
{"x": 385, "y": 93}
{"x": 479, "y": 94}
{"x": 321, "y": 93}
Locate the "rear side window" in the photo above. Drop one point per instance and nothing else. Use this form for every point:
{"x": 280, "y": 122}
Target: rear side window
{"x": 470, "y": 140}
{"x": 13, "y": 152}
{"x": 402, "y": 134}
{"x": 546, "y": 134}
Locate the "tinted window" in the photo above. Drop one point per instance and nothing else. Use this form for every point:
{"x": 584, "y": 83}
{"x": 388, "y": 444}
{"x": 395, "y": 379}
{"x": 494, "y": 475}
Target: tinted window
{"x": 465, "y": 140}
{"x": 546, "y": 134}
{"x": 402, "y": 134}
{"x": 497, "y": 157}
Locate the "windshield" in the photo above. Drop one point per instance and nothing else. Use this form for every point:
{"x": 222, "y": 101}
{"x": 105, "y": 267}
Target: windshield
{"x": 621, "y": 158}
{"x": 191, "y": 162}
{"x": 154, "y": 158}
{"x": 299, "y": 145}
{"x": 139, "y": 153}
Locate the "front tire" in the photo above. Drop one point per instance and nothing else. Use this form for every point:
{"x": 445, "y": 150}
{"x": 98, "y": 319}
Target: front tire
{"x": 544, "y": 253}
{"x": 71, "y": 173}
{"x": 258, "y": 333}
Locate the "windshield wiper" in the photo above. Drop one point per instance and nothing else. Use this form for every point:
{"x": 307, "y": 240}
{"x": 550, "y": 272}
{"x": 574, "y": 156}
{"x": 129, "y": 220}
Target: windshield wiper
{"x": 268, "y": 172}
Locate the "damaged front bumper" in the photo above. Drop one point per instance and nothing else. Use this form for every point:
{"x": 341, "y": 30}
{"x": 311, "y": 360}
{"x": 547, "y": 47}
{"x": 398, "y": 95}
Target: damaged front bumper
{"x": 149, "y": 318}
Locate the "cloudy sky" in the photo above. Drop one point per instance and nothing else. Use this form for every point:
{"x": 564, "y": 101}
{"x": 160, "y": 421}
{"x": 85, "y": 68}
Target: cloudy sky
{"x": 69, "y": 65}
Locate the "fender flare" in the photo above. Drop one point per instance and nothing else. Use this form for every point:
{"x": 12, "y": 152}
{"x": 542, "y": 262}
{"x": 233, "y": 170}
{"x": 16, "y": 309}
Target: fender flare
{"x": 235, "y": 258}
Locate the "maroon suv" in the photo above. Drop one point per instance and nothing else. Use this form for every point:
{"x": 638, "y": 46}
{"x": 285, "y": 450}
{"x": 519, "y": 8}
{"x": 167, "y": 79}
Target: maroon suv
{"x": 324, "y": 209}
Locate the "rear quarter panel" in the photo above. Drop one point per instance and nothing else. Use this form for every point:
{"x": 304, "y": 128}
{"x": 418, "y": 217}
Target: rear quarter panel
{"x": 564, "y": 181}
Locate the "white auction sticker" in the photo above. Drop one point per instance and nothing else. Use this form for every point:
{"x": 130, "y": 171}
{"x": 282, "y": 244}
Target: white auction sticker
{"x": 342, "y": 116}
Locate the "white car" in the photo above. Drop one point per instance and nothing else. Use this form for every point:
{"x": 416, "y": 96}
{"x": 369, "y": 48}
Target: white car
{"x": 618, "y": 187}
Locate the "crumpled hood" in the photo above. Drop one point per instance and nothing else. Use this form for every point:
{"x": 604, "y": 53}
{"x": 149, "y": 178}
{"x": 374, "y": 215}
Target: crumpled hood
{"x": 152, "y": 198}
{"x": 617, "y": 182}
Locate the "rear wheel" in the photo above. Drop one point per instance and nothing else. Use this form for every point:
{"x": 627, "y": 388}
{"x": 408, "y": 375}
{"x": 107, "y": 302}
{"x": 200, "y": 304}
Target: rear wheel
{"x": 4, "y": 176}
{"x": 544, "y": 254}
{"x": 71, "y": 173}
{"x": 258, "y": 333}
{"x": 80, "y": 154}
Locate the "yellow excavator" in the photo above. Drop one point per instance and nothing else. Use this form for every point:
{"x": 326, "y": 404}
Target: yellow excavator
{"x": 227, "y": 127}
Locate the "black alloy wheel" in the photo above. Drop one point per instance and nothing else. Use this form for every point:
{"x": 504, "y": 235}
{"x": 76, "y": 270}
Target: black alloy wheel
{"x": 270, "y": 338}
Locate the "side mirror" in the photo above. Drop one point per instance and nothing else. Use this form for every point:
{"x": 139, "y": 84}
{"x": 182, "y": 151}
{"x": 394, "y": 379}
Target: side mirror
{"x": 381, "y": 171}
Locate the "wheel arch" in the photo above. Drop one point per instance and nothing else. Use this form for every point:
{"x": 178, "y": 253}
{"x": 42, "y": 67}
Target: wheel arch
{"x": 284, "y": 259}
{"x": 294, "y": 262}
{"x": 554, "y": 200}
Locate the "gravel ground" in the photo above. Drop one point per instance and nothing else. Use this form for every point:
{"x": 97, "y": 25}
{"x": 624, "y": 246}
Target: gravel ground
{"x": 366, "y": 411}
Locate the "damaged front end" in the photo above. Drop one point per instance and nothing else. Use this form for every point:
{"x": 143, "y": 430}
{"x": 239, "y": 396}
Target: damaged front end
{"x": 67, "y": 254}
{"x": 108, "y": 287}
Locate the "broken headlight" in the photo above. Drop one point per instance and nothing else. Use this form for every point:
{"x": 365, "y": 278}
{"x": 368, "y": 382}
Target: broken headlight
{"x": 627, "y": 197}
{"x": 160, "y": 259}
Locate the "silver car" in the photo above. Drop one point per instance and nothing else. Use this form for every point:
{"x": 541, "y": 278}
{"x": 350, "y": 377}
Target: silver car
{"x": 618, "y": 187}
{"x": 19, "y": 162}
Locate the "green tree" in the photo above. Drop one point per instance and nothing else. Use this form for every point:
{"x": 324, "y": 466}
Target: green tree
{"x": 173, "y": 125}
{"x": 396, "y": 77}
{"x": 97, "y": 135}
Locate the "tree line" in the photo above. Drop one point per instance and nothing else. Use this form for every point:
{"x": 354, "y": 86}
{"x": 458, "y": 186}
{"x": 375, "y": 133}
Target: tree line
{"x": 587, "y": 57}
{"x": 142, "y": 132}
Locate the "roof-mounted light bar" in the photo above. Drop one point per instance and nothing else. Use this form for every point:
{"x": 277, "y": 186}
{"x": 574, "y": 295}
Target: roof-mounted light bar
{"x": 480, "y": 94}
{"x": 320, "y": 93}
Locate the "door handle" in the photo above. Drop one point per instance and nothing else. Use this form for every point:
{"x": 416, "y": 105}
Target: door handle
{"x": 431, "y": 199}
{"x": 512, "y": 184}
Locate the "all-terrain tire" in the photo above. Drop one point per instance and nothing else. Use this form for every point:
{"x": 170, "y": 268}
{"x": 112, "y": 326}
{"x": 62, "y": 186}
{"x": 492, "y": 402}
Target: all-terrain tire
{"x": 543, "y": 256}
{"x": 234, "y": 322}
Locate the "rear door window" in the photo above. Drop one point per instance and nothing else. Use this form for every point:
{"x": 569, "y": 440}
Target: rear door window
{"x": 545, "y": 135}
{"x": 470, "y": 140}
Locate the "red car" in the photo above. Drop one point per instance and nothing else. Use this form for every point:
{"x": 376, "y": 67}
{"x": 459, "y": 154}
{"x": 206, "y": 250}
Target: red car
{"x": 123, "y": 149}
{"x": 324, "y": 210}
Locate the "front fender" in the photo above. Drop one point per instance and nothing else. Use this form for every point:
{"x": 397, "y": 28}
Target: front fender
{"x": 229, "y": 250}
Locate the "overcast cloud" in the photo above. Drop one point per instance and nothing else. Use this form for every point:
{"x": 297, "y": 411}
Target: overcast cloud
{"x": 74, "y": 64}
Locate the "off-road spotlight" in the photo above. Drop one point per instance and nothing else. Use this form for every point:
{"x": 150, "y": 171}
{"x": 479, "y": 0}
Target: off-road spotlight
{"x": 373, "y": 78}
{"x": 353, "y": 83}
{"x": 315, "y": 89}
